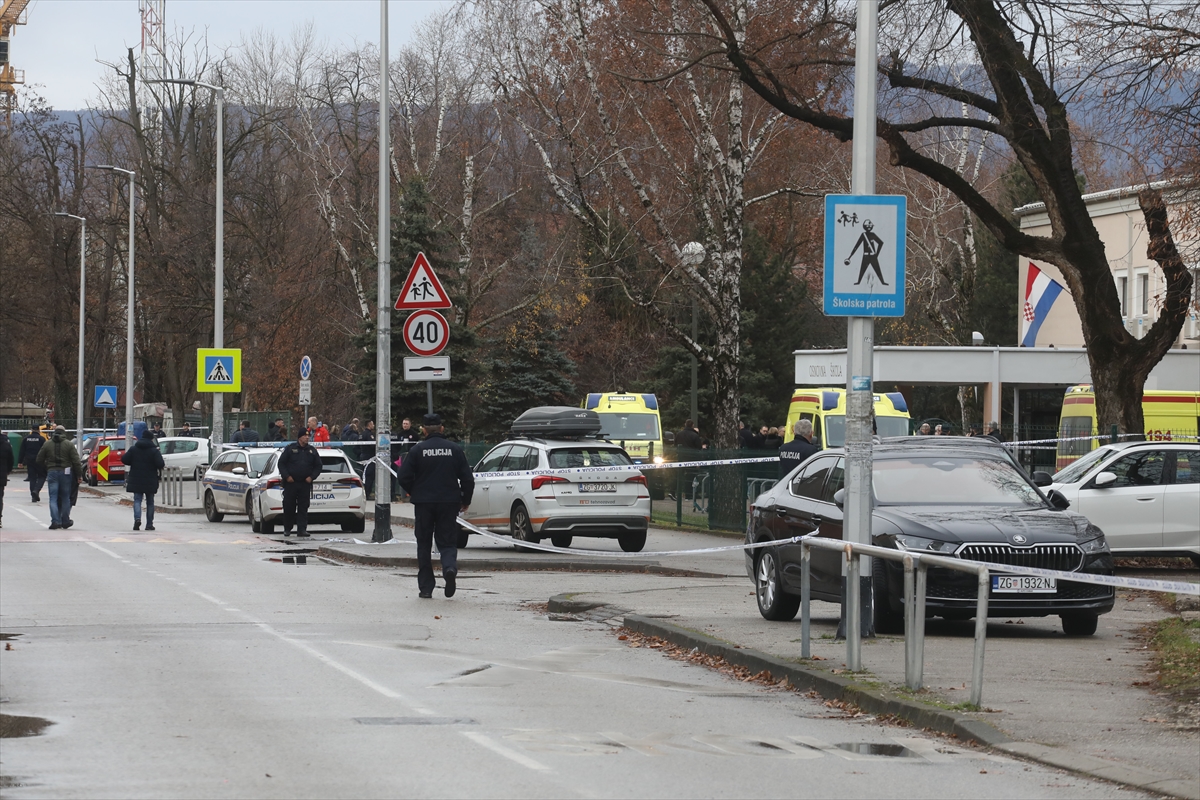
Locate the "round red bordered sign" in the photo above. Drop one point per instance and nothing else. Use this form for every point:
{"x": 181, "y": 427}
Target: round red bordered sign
{"x": 426, "y": 333}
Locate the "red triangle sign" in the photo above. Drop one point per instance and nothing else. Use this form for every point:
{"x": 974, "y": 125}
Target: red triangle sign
{"x": 422, "y": 289}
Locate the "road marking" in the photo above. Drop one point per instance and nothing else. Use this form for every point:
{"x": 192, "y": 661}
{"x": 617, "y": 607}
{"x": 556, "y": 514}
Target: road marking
{"x": 499, "y": 749}
{"x": 31, "y": 516}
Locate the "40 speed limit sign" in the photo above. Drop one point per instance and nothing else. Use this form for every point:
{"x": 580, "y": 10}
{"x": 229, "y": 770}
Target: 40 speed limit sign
{"x": 426, "y": 332}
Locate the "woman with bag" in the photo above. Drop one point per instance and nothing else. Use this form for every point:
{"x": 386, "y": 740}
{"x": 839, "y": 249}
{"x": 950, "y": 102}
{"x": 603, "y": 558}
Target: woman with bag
{"x": 143, "y": 464}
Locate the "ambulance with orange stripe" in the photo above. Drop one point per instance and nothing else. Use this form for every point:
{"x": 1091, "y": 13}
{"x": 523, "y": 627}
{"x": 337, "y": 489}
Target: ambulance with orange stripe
{"x": 1168, "y": 416}
{"x": 826, "y": 410}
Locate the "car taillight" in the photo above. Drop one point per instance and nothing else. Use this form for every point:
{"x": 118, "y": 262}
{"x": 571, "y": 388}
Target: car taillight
{"x": 351, "y": 481}
{"x": 637, "y": 479}
{"x": 539, "y": 481}
{"x": 274, "y": 483}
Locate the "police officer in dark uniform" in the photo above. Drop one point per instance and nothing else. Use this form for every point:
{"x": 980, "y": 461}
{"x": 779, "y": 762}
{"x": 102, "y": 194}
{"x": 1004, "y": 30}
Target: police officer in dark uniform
{"x": 798, "y": 449}
{"x": 437, "y": 476}
{"x": 30, "y": 446}
{"x": 299, "y": 466}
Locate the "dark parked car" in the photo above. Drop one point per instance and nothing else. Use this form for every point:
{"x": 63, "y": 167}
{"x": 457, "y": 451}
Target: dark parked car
{"x": 969, "y": 502}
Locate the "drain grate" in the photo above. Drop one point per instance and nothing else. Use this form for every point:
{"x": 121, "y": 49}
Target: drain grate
{"x": 415, "y": 721}
{"x": 877, "y": 749}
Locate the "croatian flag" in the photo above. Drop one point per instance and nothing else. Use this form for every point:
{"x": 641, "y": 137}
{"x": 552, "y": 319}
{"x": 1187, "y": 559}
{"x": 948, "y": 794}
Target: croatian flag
{"x": 1040, "y": 293}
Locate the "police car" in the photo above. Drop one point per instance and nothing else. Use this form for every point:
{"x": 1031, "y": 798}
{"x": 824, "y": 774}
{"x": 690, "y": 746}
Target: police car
{"x": 245, "y": 480}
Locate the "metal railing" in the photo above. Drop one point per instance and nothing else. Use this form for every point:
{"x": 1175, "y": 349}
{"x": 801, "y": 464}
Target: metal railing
{"x": 915, "y": 582}
{"x": 700, "y": 496}
{"x": 170, "y": 487}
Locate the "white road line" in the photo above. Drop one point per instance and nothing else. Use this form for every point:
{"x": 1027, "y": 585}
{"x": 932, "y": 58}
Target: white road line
{"x": 20, "y": 510}
{"x": 499, "y": 749}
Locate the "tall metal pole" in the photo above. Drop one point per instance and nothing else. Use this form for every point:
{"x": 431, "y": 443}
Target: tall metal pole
{"x": 129, "y": 325}
{"x": 860, "y": 335}
{"x": 383, "y": 327}
{"x": 218, "y": 431}
{"x": 82, "y": 322}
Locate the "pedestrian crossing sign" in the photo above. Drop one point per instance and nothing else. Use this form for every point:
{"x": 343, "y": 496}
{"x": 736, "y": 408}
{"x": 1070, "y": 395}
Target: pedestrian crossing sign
{"x": 218, "y": 370}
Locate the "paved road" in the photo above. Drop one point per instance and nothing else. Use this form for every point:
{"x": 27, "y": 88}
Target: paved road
{"x": 186, "y": 663}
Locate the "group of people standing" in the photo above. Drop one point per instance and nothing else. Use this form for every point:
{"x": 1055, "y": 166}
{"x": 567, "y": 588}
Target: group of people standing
{"x": 765, "y": 438}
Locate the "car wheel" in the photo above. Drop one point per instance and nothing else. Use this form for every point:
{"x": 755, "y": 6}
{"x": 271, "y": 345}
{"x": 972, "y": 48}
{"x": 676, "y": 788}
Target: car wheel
{"x": 267, "y": 527}
{"x": 773, "y": 603}
{"x": 254, "y": 526}
{"x": 91, "y": 478}
{"x": 1080, "y": 624}
{"x": 888, "y": 619}
{"x": 561, "y": 540}
{"x": 359, "y": 525}
{"x": 463, "y": 536}
{"x": 210, "y": 507}
{"x": 632, "y": 542}
{"x": 1196, "y": 561}
{"x": 198, "y": 474}
{"x": 521, "y": 527}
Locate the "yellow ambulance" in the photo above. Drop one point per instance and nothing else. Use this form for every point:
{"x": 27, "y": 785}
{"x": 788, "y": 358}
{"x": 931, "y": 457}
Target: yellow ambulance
{"x": 1168, "y": 417}
{"x": 826, "y": 410}
{"x": 632, "y": 421}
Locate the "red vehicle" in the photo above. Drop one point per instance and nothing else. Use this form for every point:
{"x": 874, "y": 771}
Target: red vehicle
{"x": 104, "y": 461}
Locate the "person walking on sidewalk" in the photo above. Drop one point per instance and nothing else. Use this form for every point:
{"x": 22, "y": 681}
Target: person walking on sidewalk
{"x": 31, "y": 445}
{"x": 144, "y": 464}
{"x": 59, "y": 461}
{"x": 6, "y": 466}
{"x": 299, "y": 466}
{"x": 437, "y": 476}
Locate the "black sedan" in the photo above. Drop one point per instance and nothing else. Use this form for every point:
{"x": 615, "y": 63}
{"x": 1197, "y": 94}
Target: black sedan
{"x": 963, "y": 501}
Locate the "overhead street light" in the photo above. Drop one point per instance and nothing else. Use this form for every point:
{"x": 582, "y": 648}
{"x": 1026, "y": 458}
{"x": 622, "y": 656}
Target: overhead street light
{"x": 218, "y": 431}
{"x": 129, "y": 307}
{"x": 82, "y": 321}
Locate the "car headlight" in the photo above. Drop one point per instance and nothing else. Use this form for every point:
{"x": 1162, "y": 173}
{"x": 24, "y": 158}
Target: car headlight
{"x": 1096, "y": 545}
{"x": 906, "y": 542}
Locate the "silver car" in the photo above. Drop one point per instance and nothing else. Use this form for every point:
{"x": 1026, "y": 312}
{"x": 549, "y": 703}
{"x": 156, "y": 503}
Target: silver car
{"x": 611, "y": 504}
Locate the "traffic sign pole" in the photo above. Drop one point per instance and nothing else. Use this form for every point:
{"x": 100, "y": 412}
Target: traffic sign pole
{"x": 383, "y": 326}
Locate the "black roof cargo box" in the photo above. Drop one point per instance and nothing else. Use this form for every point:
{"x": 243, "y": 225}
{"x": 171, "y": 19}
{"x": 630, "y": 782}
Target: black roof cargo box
{"x": 556, "y": 422}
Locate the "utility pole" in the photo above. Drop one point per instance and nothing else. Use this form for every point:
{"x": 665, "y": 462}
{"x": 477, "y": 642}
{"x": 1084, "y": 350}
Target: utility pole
{"x": 383, "y": 327}
{"x": 82, "y": 322}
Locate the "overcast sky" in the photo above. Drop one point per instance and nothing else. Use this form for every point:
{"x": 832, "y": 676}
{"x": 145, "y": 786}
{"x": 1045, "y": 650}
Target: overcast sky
{"x": 60, "y": 45}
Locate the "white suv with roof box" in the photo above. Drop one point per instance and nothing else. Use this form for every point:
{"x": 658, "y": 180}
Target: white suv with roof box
{"x": 604, "y": 504}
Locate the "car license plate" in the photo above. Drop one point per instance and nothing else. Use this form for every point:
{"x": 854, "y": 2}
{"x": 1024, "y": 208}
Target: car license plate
{"x": 597, "y": 487}
{"x": 1023, "y": 583}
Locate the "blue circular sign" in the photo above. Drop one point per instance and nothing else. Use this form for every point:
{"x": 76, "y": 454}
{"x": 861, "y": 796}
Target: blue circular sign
{"x": 305, "y": 368}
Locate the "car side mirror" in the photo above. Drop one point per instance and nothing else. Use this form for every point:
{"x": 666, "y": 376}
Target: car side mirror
{"x": 239, "y": 470}
{"x": 1042, "y": 478}
{"x": 839, "y": 497}
{"x": 1057, "y": 500}
{"x": 1104, "y": 479}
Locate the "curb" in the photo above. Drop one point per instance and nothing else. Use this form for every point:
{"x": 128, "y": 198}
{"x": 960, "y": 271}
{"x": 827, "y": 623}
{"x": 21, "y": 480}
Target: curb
{"x": 121, "y": 500}
{"x": 517, "y": 564}
{"x": 835, "y": 687}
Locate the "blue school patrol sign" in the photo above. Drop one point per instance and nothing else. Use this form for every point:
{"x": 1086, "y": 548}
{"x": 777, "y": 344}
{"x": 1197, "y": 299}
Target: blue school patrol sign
{"x": 218, "y": 370}
{"x": 864, "y": 255}
{"x": 106, "y": 397}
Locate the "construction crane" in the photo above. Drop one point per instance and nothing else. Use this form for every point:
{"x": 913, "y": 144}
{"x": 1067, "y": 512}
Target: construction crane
{"x": 11, "y": 15}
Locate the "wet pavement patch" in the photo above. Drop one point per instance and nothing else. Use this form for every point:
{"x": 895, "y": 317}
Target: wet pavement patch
{"x": 14, "y": 727}
{"x": 877, "y": 749}
{"x": 415, "y": 721}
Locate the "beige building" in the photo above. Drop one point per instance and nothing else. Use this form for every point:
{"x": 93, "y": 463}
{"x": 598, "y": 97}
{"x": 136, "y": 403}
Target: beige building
{"x": 1139, "y": 281}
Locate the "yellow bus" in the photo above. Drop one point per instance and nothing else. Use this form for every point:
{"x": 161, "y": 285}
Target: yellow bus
{"x": 826, "y": 410}
{"x": 1168, "y": 417}
{"x": 632, "y": 421}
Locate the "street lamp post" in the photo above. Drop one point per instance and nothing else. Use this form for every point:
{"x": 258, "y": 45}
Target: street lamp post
{"x": 218, "y": 431}
{"x": 129, "y": 307}
{"x": 383, "y": 326}
{"x": 82, "y": 321}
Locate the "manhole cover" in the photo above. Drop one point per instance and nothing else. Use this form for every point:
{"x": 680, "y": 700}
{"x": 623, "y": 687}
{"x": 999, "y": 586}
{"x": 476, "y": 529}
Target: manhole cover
{"x": 876, "y": 749}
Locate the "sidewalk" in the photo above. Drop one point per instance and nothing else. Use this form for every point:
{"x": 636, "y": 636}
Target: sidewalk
{"x": 117, "y": 494}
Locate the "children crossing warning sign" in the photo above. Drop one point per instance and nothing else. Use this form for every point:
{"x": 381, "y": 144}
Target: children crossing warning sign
{"x": 422, "y": 289}
{"x": 218, "y": 370}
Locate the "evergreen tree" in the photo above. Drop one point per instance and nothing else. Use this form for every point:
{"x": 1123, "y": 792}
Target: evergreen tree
{"x": 523, "y": 373}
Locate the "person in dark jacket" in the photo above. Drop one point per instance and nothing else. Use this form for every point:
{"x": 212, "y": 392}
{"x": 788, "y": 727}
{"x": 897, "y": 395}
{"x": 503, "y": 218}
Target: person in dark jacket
{"x": 299, "y": 466}
{"x": 245, "y": 434}
{"x": 797, "y": 450}
{"x": 59, "y": 461}
{"x": 7, "y": 462}
{"x": 350, "y": 431}
{"x": 689, "y": 437}
{"x": 143, "y": 466}
{"x": 30, "y": 445}
{"x": 277, "y": 432}
{"x": 773, "y": 439}
{"x": 745, "y": 437}
{"x": 186, "y": 430}
{"x": 437, "y": 476}
{"x": 994, "y": 432}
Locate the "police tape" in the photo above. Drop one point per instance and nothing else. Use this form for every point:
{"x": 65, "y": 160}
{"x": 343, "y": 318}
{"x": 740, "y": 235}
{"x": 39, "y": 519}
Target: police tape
{"x": 1129, "y": 436}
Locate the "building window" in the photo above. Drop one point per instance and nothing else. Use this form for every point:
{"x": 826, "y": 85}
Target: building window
{"x": 1123, "y": 293}
{"x": 1144, "y": 288}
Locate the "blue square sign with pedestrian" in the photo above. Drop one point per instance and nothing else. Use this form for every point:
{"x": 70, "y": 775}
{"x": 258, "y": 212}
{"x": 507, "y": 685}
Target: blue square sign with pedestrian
{"x": 864, "y": 255}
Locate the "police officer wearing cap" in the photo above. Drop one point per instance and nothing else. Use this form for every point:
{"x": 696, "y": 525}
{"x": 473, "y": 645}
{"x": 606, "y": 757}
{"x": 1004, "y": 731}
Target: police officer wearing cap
{"x": 438, "y": 478}
{"x": 299, "y": 466}
{"x": 797, "y": 450}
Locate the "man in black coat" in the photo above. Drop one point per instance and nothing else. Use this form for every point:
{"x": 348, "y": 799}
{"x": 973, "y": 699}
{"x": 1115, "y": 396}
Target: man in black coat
{"x": 7, "y": 462}
{"x": 797, "y": 450}
{"x": 276, "y": 431}
{"x": 245, "y": 434}
{"x": 30, "y": 446}
{"x": 689, "y": 437}
{"x": 143, "y": 465}
{"x": 299, "y": 466}
{"x": 437, "y": 476}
